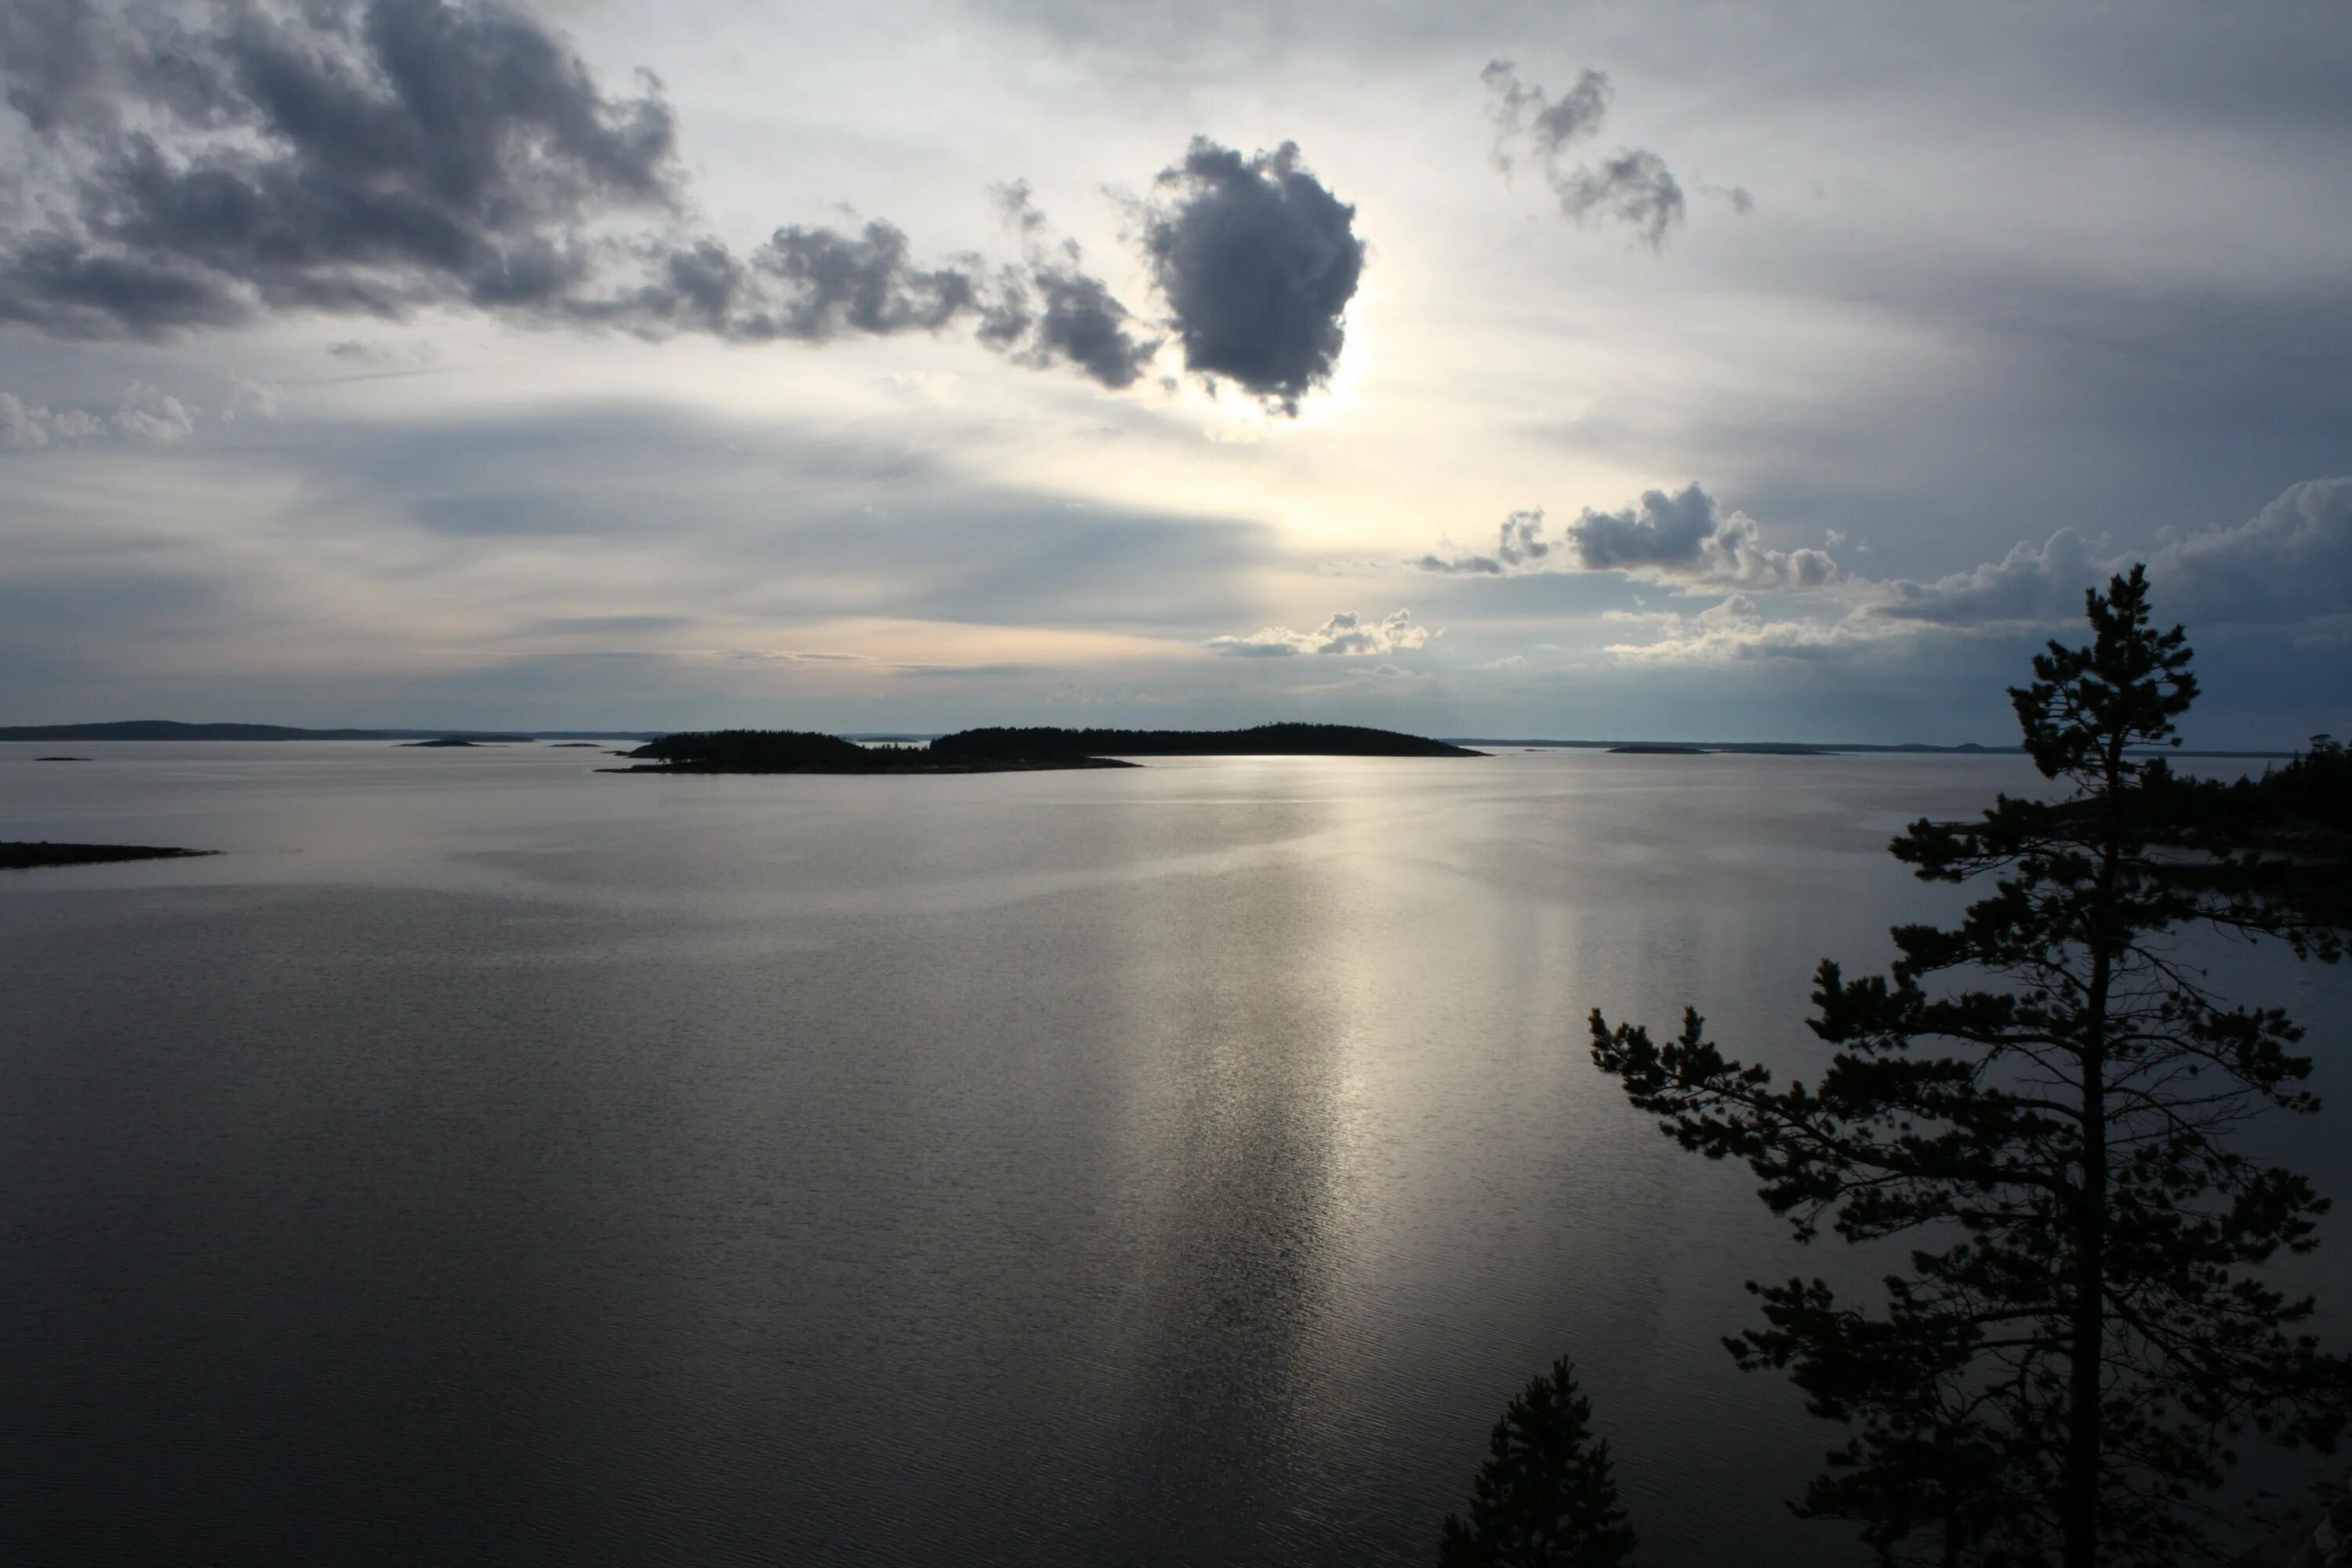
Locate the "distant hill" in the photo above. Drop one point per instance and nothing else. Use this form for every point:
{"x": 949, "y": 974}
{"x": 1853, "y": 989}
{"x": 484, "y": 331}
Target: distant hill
{"x": 171, "y": 730}
{"x": 1265, "y": 741}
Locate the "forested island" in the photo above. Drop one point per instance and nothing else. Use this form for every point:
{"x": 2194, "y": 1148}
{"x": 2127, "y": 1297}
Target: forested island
{"x": 806, "y": 752}
{"x": 1011, "y": 750}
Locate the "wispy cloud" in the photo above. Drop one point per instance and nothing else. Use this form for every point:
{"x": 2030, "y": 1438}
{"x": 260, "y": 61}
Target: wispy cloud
{"x": 1631, "y": 186}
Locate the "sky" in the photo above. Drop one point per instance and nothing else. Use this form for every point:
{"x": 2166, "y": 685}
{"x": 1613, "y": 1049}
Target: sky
{"x": 1670, "y": 371}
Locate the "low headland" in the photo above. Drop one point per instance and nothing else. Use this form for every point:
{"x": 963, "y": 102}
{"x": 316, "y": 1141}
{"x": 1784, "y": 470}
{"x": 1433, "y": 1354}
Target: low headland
{"x": 25, "y": 857}
{"x": 1011, "y": 751}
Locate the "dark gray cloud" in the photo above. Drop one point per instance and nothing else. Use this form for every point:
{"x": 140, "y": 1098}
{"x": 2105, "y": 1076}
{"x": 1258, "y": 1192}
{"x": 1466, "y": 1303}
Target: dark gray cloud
{"x": 1258, "y": 260}
{"x": 345, "y": 158}
{"x": 1631, "y": 186}
{"x": 1685, "y": 536}
{"x": 372, "y": 157}
{"x": 1076, "y": 320}
{"x": 1669, "y": 530}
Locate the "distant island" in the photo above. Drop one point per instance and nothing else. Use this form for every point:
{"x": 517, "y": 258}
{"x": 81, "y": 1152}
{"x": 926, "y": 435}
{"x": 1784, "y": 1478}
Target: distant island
{"x": 1265, "y": 741}
{"x": 173, "y": 729}
{"x": 480, "y": 741}
{"x": 60, "y": 759}
{"x": 24, "y": 857}
{"x": 1011, "y": 750}
{"x": 1675, "y": 749}
{"x": 804, "y": 752}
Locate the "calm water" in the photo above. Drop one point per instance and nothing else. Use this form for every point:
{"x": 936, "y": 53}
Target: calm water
{"x": 490, "y": 1161}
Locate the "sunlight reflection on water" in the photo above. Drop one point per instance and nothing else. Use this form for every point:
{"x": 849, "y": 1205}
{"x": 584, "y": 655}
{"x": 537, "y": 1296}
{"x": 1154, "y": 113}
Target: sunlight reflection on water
{"x": 488, "y": 1159}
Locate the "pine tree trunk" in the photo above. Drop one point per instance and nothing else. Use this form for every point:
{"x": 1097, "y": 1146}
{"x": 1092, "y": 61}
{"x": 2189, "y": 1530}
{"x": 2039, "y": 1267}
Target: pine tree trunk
{"x": 2078, "y": 1493}
{"x": 2078, "y": 1497}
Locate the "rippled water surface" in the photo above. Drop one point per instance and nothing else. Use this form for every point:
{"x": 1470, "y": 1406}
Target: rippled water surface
{"x": 485, "y": 1160}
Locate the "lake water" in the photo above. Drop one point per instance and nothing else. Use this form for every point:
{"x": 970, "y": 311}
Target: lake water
{"x": 491, "y": 1161}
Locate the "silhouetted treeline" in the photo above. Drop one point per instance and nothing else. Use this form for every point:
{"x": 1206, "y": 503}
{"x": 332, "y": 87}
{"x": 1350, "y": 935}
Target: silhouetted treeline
{"x": 1265, "y": 741}
{"x": 2311, "y": 796}
{"x": 761, "y": 751}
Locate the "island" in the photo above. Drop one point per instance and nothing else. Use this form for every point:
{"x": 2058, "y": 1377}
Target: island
{"x": 804, "y": 752}
{"x": 24, "y": 857}
{"x": 1011, "y": 750}
{"x": 60, "y": 759}
{"x": 473, "y": 740}
{"x": 174, "y": 730}
{"x": 1265, "y": 741}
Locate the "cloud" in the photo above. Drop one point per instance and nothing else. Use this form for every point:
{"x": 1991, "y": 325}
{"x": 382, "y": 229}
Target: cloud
{"x": 352, "y": 160}
{"x": 2289, "y": 562}
{"x": 2288, "y": 565}
{"x": 360, "y": 351}
{"x": 1631, "y": 186}
{"x": 375, "y": 157}
{"x": 1077, "y": 320}
{"x": 1635, "y": 187}
{"x": 252, "y": 400}
{"x": 148, "y": 415}
{"x": 1258, "y": 260}
{"x": 1346, "y": 635}
{"x": 24, "y": 426}
{"x": 1736, "y": 631}
{"x": 145, "y": 414}
{"x": 1685, "y": 535}
{"x": 1522, "y": 546}
{"x": 1680, "y": 537}
{"x": 2032, "y": 584}
{"x": 1520, "y": 110}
